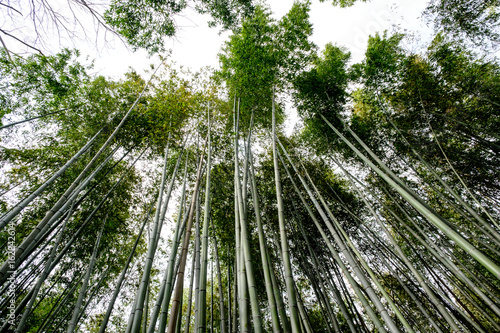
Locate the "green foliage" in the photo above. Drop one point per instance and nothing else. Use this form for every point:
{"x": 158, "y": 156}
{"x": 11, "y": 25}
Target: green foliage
{"x": 476, "y": 20}
{"x": 39, "y": 84}
{"x": 264, "y": 54}
{"x": 145, "y": 23}
{"x": 322, "y": 91}
{"x": 382, "y": 61}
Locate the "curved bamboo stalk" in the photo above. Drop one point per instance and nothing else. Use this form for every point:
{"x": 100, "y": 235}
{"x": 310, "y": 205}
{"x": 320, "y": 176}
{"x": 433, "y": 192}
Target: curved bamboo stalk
{"x": 432, "y": 216}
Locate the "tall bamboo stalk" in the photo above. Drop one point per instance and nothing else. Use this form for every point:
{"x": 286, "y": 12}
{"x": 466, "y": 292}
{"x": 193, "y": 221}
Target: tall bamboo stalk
{"x": 167, "y": 283}
{"x": 245, "y": 243}
{"x": 292, "y": 301}
{"x": 83, "y": 289}
{"x": 263, "y": 250}
{"x": 334, "y": 253}
{"x": 202, "y": 321}
{"x": 111, "y": 303}
{"x": 219, "y": 278}
{"x": 5, "y": 219}
{"x": 180, "y": 274}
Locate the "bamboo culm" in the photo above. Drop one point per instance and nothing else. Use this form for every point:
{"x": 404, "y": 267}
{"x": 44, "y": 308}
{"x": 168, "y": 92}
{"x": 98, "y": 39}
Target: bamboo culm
{"x": 174, "y": 312}
{"x": 166, "y": 286}
{"x": 20, "y": 206}
{"x": 141, "y": 292}
{"x": 292, "y": 302}
{"x": 83, "y": 289}
{"x": 202, "y": 325}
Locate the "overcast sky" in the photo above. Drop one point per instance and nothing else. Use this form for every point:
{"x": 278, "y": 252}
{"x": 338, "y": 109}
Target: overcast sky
{"x": 196, "y": 45}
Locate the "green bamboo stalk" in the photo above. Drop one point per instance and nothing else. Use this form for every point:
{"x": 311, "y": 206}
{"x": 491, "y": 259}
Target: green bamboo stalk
{"x": 43, "y": 276}
{"x": 83, "y": 289}
{"x": 245, "y": 243}
{"x": 240, "y": 267}
{"x": 356, "y": 252}
{"x": 174, "y": 312}
{"x": 141, "y": 292}
{"x": 219, "y": 278}
{"x": 167, "y": 283}
{"x": 292, "y": 301}
{"x": 443, "y": 183}
{"x": 438, "y": 254}
{"x": 56, "y": 310}
{"x": 105, "y": 320}
{"x": 202, "y": 322}
{"x": 190, "y": 299}
{"x": 337, "y": 296}
{"x": 5, "y": 219}
{"x": 303, "y": 314}
{"x": 263, "y": 250}
{"x": 278, "y": 297}
{"x": 456, "y": 173}
{"x": 48, "y": 217}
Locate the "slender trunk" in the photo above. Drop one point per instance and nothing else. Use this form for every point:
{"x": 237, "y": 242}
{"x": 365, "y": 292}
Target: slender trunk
{"x": 292, "y": 301}
{"x": 278, "y": 298}
{"x": 42, "y": 277}
{"x": 163, "y": 297}
{"x": 360, "y": 258}
{"x": 190, "y": 299}
{"x": 245, "y": 243}
{"x": 202, "y": 322}
{"x": 56, "y": 310}
{"x": 263, "y": 251}
{"x": 426, "y": 211}
{"x": 31, "y": 119}
{"x": 111, "y": 304}
{"x": 180, "y": 274}
{"x": 83, "y": 290}
{"x": 141, "y": 292}
{"x": 221, "y": 291}
{"x": 240, "y": 267}
{"x": 26, "y": 248}
{"x": 335, "y": 255}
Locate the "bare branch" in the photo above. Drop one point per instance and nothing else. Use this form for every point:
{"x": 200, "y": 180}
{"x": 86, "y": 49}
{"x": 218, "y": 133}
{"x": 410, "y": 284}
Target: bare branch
{"x": 11, "y": 8}
{"x": 21, "y": 41}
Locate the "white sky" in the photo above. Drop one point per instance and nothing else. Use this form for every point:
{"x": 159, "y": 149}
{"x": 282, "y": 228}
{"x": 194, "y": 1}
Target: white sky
{"x": 196, "y": 45}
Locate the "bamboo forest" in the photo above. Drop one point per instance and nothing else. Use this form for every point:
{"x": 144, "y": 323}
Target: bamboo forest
{"x": 178, "y": 200}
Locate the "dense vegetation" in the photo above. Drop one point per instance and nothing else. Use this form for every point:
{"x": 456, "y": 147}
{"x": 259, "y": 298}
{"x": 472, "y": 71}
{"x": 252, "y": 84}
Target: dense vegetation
{"x": 175, "y": 202}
